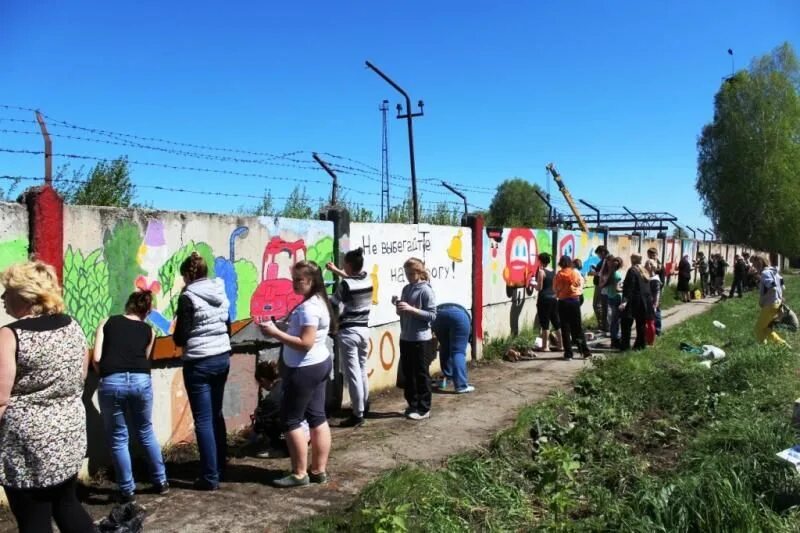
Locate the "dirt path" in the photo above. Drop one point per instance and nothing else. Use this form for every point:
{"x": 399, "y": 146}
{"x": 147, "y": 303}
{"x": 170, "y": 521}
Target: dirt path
{"x": 247, "y": 503}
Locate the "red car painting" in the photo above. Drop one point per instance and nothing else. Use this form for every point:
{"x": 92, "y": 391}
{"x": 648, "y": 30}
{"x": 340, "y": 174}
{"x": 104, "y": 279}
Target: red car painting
{"x": 521, "y": 260}
{"x": 274, "y": 296}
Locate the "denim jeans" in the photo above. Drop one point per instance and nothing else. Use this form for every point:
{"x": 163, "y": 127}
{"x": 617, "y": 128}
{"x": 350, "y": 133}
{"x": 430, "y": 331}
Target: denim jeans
{"x": 613, "y": 317}
{"x": 205, "y": 384}
{"x": 452, "y": 328}
{"x": 129, "y": 392}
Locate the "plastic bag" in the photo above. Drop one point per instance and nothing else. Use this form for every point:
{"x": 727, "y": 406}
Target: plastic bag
{"x": 128, "y": 518}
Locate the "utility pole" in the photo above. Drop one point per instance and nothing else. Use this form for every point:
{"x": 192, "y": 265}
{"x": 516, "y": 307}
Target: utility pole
{"x": 385, "y": 162}
{"x": 335, "y": 187}
{"x": 409, "y": 116}
{"x": 48, "y": 150}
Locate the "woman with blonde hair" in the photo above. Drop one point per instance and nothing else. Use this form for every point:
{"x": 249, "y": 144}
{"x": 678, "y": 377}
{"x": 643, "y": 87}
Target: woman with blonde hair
{"x": 43, "y": 363}
{"x": 417, "y": 310}
{"x": 637, "y": 304}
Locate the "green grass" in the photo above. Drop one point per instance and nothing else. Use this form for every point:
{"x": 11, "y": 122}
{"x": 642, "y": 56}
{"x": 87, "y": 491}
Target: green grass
{"x": 650, "y": 441}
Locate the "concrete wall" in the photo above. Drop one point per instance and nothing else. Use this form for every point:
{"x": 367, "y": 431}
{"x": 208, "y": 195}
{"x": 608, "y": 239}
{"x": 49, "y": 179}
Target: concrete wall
{"x": 447, "y": 253}
{"x": 509, "y": 262}
{"x": 108, "y": 253}
{"x": 13, "y": 240}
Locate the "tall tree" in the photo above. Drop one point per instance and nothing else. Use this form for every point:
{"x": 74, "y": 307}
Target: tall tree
{"x": 679, "y": 233}
{"x": 298, "y": 204}
{"x": 264, "y": 208}
{"x": 515, "y": 204}
{"x": 443, "y": 214}
{"x": 108, "y": 184}
{"x": 748, "y": 165}
{"x": 7, "y": 191}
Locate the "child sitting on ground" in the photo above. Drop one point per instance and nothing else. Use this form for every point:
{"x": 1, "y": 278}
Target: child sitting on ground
{"x": 267, "y": 416}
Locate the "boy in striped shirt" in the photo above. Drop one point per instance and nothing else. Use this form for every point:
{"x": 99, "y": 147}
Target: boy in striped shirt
{"x": 353, "y": 298}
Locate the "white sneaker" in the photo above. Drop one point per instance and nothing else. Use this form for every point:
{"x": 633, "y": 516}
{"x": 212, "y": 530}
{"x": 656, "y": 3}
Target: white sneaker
{"x": 465, "y": 390}
{"x": 419, "y": 416}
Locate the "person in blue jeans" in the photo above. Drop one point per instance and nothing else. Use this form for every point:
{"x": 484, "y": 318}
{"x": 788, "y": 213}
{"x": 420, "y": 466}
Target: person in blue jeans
{"x": 122, "y": 349}
{"x": 203, "y": 329}
{"x": 452, "y": 329}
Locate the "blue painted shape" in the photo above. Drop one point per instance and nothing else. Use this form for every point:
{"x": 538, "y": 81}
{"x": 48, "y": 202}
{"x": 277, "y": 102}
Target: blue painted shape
{"x": 224, "y": 269}
{"x": 159, "y": 321}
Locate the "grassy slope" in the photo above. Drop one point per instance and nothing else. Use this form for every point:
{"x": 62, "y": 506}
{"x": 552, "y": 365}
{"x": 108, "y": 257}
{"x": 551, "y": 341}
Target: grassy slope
{"x": 646, "y": 442}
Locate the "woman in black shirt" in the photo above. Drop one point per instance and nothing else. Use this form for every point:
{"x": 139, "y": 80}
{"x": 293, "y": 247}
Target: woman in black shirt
{"x": 122, "y": 358}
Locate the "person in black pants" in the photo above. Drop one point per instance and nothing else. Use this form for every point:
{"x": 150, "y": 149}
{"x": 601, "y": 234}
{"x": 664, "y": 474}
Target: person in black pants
{"x": 417, "y": 310}
{"x": 739, "y": 273}
{"x": 636, "y": 306}
{"x": 568, "y": 285}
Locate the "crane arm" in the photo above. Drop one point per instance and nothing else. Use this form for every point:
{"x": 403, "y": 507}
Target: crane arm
{"x": 568, "y": 197}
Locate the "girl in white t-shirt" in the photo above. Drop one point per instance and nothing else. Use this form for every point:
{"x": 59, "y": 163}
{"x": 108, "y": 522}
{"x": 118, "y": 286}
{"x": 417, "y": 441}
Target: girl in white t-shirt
{"x": 308, "y": 367}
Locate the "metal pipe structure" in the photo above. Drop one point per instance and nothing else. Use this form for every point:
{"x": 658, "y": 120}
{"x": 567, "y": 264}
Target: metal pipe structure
{"x": 636, "y": 224}
{"x": 409, "y": 116}
{"x": 459, "y": 194}
{"x": 48, "y": 150}
{"x": 593, "y": 208}
{"x": 694, "y": 234}
{"x": 332, "y": 174}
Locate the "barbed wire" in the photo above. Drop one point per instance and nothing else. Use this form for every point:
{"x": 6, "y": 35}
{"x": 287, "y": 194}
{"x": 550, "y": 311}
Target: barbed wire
{"x": 288, "y": 159}
{"x": 17, "y": 108}
{"x": 162, "y": 188}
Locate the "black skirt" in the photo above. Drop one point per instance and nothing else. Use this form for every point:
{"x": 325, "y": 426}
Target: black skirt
{"x": 683, "y": 284}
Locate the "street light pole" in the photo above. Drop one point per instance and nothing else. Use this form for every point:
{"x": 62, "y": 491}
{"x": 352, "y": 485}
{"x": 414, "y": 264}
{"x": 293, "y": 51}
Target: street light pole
{"x": 409, "y": 116}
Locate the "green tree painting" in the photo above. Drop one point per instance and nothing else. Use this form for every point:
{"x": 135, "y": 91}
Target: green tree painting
{"x": 120, "y": 249}
{"x": 86, "y": 289}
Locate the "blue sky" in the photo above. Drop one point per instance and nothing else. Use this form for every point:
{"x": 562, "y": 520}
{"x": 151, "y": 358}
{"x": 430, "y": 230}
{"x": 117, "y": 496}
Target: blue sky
{"x": 615, "y": 93}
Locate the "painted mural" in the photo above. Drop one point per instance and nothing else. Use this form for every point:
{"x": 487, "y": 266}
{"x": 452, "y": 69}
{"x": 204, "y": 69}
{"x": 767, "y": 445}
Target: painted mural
{"x": 98, "y": 282}
{"x": 511, "y": 260}
{"x": 13, "y": 251}
{"x": 446, "y": 251}
{"x": 672, "y": 256}
{"x": 580, "y": 245}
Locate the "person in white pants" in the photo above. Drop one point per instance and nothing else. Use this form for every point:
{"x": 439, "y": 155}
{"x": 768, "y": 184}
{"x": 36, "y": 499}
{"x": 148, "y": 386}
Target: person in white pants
{"x": 353, "y": 297}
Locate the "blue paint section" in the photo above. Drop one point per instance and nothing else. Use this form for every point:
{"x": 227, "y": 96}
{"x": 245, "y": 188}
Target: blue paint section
{"x": 225, "y": 271}
{"x": 159, "y": 321}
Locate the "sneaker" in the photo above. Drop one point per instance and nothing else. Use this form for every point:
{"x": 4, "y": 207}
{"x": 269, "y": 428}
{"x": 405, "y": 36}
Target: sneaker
{"x": 407, "y": 411}
{"x": 202, "y": 484}
{"x": 126, "y": 497}
{"x": 352, "y": 421}
{"x": 441, "y": 384}
{"x": 419, "y": 416}
{"x": 567, "y": 356}
{"x": 321, "y": 478}
{"x": 291, "y": 481}
{"x": 465, "y": 390}
{"x": 162, "y": 489}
